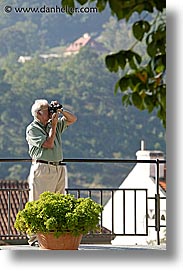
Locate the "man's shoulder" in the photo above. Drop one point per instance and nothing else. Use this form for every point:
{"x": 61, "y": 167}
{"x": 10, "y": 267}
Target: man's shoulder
{"x": 34, "y": 125}
{"x": 31, "y": 125}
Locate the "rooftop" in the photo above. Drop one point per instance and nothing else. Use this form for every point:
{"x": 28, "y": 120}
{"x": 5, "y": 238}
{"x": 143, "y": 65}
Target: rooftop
{"x": 82, "y": 41}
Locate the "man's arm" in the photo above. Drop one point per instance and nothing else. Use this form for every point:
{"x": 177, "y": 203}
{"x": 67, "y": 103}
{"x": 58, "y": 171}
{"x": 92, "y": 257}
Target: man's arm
{"x": 69, "y": 117}
{"x": 49, "y": 142}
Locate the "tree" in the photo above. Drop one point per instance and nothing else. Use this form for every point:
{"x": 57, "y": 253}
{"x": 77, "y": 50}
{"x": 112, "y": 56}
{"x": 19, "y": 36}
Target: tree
{"x": 21, "y": 38}
{"x": 142, "y": 81}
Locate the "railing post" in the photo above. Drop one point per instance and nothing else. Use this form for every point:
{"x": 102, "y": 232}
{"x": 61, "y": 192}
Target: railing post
{"x": 9, "y": 212}
{"x": 112, "y": 211}
{"x": 157, "y": 204}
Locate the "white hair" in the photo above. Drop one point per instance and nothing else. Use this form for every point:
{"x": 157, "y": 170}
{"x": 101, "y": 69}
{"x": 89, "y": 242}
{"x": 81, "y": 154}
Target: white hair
{"x": 38, "y": 104}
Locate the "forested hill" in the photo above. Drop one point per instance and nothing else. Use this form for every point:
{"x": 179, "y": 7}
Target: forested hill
{"x": 104, "y": 129}
{"x": 28, "y": 32}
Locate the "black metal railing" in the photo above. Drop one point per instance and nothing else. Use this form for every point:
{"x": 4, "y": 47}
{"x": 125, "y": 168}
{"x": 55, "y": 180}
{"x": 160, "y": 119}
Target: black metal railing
{"x": 109, "y": 195}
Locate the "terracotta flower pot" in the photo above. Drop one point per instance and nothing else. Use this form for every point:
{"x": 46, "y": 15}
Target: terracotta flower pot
{"x": 64, "y": 242}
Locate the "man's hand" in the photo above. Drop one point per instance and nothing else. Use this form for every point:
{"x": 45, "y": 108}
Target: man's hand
{"x": 55, "y": 102}
{"x": 69, "y": 117}
{"x": 54, "y": 120}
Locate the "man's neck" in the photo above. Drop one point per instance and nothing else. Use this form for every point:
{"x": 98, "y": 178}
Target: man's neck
{"x": 41, "y": 122}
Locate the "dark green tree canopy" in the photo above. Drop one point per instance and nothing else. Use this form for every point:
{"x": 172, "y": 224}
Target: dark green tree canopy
{"x": 142, "y": 78}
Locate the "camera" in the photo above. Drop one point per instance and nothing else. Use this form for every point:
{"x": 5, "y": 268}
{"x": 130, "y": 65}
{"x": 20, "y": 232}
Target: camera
{"x": 53, "y": 108}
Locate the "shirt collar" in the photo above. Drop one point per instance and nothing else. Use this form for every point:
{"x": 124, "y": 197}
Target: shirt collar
{"x": 39, "y": 123}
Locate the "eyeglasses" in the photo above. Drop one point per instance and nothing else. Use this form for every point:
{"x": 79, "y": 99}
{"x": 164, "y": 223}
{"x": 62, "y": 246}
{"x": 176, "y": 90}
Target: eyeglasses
{"x": 44, "y": 109}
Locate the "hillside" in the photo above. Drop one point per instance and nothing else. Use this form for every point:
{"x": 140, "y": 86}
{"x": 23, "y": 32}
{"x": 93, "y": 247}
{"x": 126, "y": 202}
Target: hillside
{"x": 105, "y": 129}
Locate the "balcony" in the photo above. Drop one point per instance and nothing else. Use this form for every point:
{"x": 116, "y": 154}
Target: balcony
{"x": 120, "y": 219}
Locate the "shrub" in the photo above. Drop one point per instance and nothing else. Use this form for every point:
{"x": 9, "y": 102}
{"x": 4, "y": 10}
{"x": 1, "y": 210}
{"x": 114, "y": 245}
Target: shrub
{"x": 59, "y": 213}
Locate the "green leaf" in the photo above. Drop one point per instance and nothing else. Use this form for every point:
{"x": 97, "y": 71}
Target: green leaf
{"x": 59, "y": 212}
{"x": 151, "y": 49}
{"x": 82, "y": 2}
{"x": 116, "y": 87}
{"x": 160, "y": 63}
{"x": 111, "y": 63}
{"x": 147, "y": 26}
{"x": 126, "y": 100}
{"x": 132, "y": 64}
{"x": 140, "y": 28}
{"x": 124, "y": 83}
{"x": 137, "y": 57}
{"x": 162, "y": 96}
{"x": 137, "y": 30}
{"x": 121, "y": 59}
{"x": 128, "y": 56}
{"x": 70, "y": 4}
{"x": 101, "y": 4}
{"x": 137, "y": 100}
{"x": 117, "y": 8}
{"x": 134, "y": 81}
{"x": 149, "y": 103}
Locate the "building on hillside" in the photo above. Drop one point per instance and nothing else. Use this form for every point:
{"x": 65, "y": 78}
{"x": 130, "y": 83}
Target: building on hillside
{"x": 142, "y": 176}
{"x": 45, "y": 57}
{"x": 81, "y": 42}
{"x": 23, "y": 59}
{"x": 72, "y": 49}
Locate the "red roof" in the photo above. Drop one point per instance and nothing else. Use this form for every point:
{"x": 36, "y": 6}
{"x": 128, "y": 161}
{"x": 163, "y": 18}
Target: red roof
{"x": 86, "y": 39}
{"x": 14, "y": 194}
{"x": 163, "y": 185}
{"x": 162, "y": 182}
{"x": 79, "y": 43}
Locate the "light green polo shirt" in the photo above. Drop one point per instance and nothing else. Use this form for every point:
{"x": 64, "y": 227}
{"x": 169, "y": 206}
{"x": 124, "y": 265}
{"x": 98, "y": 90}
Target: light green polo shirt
{"x": 36, "y": 135}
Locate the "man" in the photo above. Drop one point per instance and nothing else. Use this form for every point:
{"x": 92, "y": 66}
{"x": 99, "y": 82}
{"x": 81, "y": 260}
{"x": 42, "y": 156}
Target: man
{"x": 43, "y": 135}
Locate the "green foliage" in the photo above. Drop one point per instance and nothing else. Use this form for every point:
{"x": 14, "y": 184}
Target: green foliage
{"x": 144, "y": 93}
{"x": 59, "y": 213}
{"x": 120, "y": 59}
{"x": 24, "y": 33}
{"x": 122, "y": 9}
{"x": 140, "y": 28}
{"x": 143, "y": 84}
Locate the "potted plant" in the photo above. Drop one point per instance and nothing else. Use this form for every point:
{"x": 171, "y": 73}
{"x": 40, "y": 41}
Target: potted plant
{"x": 55, "y": 217}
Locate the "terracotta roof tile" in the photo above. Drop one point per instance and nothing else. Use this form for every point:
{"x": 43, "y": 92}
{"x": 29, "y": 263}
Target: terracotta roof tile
{"x": 86, "y": 39}
{"x": 163, "y": 185}
{"x": 13, "y": 194}
{"x": 78, "y": 44}
{"x": 162, "y": 182}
